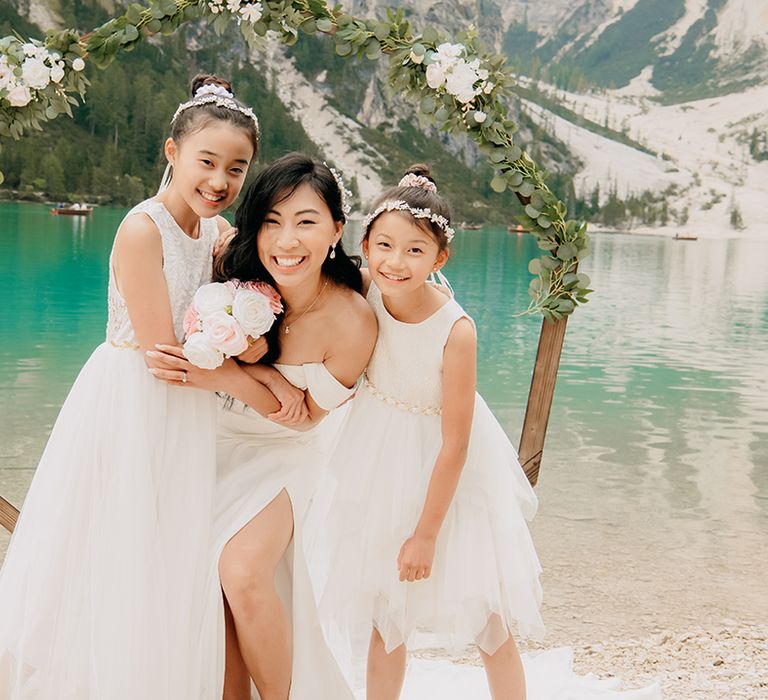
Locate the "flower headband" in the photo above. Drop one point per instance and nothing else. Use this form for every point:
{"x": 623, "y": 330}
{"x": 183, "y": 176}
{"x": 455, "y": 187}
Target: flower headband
{"x": 216, "y": 94}
{"x": 346, "y": 194}
{"x": 419, "y": 181}
{"x": 415, "y": 212}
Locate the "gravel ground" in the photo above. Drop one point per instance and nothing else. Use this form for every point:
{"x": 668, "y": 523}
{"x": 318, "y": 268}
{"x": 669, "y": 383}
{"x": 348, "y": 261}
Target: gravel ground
{"x": 728, "y": 662}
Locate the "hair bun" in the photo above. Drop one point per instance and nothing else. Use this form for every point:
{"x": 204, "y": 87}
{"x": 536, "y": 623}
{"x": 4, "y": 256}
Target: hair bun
{"x": 207, "y": 79}
{"x": 422, "y": 170}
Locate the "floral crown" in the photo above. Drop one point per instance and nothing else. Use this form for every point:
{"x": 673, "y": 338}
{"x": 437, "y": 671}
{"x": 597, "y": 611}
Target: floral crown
{"x": 216, "y": 94}
{"x": 415, "y": 212}
{"x": 346, "y": 194}
{"x": 419, "y": 181}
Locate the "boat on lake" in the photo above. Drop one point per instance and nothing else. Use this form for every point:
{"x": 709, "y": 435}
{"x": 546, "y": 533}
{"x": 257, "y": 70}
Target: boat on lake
{"x": 466, "y": 226}
{"x": 518, "y": 229}
{"x": 684, "y": 237}
{"x": 74, "y": 210}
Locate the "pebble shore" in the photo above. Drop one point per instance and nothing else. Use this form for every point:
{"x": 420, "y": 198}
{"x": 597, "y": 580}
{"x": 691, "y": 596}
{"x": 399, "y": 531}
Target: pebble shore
{"x": 726, "y": 662}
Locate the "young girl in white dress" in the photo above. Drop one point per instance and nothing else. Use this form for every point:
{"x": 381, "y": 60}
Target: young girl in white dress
{"x": 103, "y": 586}
{"x": 423, "y": 523}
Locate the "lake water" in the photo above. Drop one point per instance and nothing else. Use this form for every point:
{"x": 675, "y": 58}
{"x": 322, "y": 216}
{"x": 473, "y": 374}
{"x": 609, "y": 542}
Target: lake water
{"x": 654, "y": 482}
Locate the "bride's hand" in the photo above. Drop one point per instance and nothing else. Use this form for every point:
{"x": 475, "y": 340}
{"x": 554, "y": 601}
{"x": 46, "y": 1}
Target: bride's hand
{"x": 170, "y": 365}
{"x": 255, "y": 351}
{"x": 223, "y": 241}
{"x": 292, "y": 401}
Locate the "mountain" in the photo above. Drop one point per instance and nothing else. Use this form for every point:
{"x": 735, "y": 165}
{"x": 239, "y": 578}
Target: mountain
{"x": 646, "y": 113}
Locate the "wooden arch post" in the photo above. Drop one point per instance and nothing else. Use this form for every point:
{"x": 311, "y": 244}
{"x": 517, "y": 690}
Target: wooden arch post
{"x": 8, "y": 515}
{"x": 540, "y": 396}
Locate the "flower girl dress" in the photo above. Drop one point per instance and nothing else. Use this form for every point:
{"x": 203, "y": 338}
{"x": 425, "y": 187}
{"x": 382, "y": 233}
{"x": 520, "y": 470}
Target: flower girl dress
{"x": 485, "y": 578}
{"x": 108, "y": 574}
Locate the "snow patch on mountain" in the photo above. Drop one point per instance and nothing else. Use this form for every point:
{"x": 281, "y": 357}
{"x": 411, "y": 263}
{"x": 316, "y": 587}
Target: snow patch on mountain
{"x": 702, "y": 146}
{"x": 673, "y": 37}
{"x": 741, "y": 24}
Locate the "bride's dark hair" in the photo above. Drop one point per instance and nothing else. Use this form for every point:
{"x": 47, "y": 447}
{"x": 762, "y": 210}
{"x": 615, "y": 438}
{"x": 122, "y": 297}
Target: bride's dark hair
{"x": 274, "y": 184}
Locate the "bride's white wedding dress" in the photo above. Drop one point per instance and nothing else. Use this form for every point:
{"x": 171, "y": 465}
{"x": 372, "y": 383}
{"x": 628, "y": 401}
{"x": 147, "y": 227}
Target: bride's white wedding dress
{"x": 107, "y": 577}
{"x": 257, "y": 459}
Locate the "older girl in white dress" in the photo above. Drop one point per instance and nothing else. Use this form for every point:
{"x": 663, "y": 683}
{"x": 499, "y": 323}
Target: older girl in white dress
{"x": 104, "y": 585}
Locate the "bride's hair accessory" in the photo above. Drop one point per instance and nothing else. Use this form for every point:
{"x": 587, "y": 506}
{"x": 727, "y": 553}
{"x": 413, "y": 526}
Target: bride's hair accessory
{"x": 346, "y": 194}
{"x": 218, "y": 95}
{"x": 415, "y": 212}
{"x": 419, "y": 181}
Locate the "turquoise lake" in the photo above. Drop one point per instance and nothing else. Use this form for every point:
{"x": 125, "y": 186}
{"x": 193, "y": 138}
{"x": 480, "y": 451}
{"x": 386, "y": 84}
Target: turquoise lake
{"x": 654, "y": 482}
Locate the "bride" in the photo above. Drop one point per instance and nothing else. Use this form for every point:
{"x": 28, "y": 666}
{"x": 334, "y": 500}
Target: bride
{"x": 289, "y": 230}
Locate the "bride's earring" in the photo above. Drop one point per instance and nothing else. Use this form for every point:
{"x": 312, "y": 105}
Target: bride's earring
{"x": 333, "y": 252}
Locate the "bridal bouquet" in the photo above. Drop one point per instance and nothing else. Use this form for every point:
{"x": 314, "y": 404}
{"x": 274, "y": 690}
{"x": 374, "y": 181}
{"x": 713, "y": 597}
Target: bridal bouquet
{"x": 223, "y": 315}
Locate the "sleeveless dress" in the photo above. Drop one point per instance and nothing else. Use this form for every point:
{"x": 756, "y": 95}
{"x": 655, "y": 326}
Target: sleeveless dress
{"x": 256, "y": 460}
{"x": 485, "y": 568}
{"x": 102, "y": 590}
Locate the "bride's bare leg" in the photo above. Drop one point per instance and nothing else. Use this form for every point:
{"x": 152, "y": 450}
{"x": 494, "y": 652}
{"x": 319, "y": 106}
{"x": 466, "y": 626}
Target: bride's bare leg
{"x": 247, "y": 570}
{"x": 386, "y": 672}
{"x": 504, "y": 668}
{"x": 237, "y": 680}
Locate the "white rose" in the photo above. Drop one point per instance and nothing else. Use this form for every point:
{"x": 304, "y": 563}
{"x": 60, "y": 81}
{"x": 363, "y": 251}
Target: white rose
{"x": 460, "y": 82}
{"x": 450, "y": 50}
{"x": 19, "y": 96}
{"x": 78, "y": 64}
{"x": 480, "y": 116}
{"x": 224, "y": 333}
{"x": 212, "y": 297}
{"x": 35, "y": 73}
{"x": 199, "y": 351}
{"x": 29, "y": 49}
{"x": 435, "y": 76}
{"x": 253, "y": 311}
{"x": 57, "y": 72}
{"x": 252, "y": 12}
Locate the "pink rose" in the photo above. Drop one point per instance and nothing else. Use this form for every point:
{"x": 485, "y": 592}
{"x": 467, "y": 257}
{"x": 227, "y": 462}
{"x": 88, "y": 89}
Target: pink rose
{"x": 191, "y": 321}
{"x": 275, "y": 302}
{"x": 224, "y": 333}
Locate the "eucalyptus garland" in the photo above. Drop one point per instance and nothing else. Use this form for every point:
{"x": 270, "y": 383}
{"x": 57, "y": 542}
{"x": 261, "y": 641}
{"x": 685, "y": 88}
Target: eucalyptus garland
{"x": 457, "y": 85}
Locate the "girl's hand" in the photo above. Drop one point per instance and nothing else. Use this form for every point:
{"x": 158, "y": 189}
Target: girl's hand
{"x": 170, "y": 365}
{"x": 223, "y": 241}
{"x": 415, "y": 559}
{"x": 292, "y": 401}
{"x": 255, "y": 351}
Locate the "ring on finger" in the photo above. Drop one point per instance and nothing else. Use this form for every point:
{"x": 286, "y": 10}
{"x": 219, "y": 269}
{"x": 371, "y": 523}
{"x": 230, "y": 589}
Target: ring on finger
{"x": 184, "y": 376}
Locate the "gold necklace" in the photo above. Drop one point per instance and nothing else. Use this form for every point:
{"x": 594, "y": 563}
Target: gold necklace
{"x": 287, "y": 326}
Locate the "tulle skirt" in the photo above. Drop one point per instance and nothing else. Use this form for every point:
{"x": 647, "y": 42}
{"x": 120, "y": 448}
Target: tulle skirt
{"x": 485, "y": 579}
{"x": 107, "y": 590}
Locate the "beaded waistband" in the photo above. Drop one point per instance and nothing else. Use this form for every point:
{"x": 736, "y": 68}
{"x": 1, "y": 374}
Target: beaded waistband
{"x": 124, "y": 346}
{"x": 410, "y": 407}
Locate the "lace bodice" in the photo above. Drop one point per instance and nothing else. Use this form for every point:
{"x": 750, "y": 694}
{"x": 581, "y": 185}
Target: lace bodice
{"x": 407, "y": 364}
{"x": 187, "y": 264}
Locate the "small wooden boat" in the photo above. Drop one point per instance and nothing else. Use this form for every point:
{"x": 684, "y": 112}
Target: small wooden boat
{"x": 76, "y": 210}
{"x": 465, "y": 226}
{"x": 678, "y": 237}
{"x": 519, "y": 230}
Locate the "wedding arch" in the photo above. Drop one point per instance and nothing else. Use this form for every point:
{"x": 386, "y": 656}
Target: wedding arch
{"x": 456, "y": 84}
